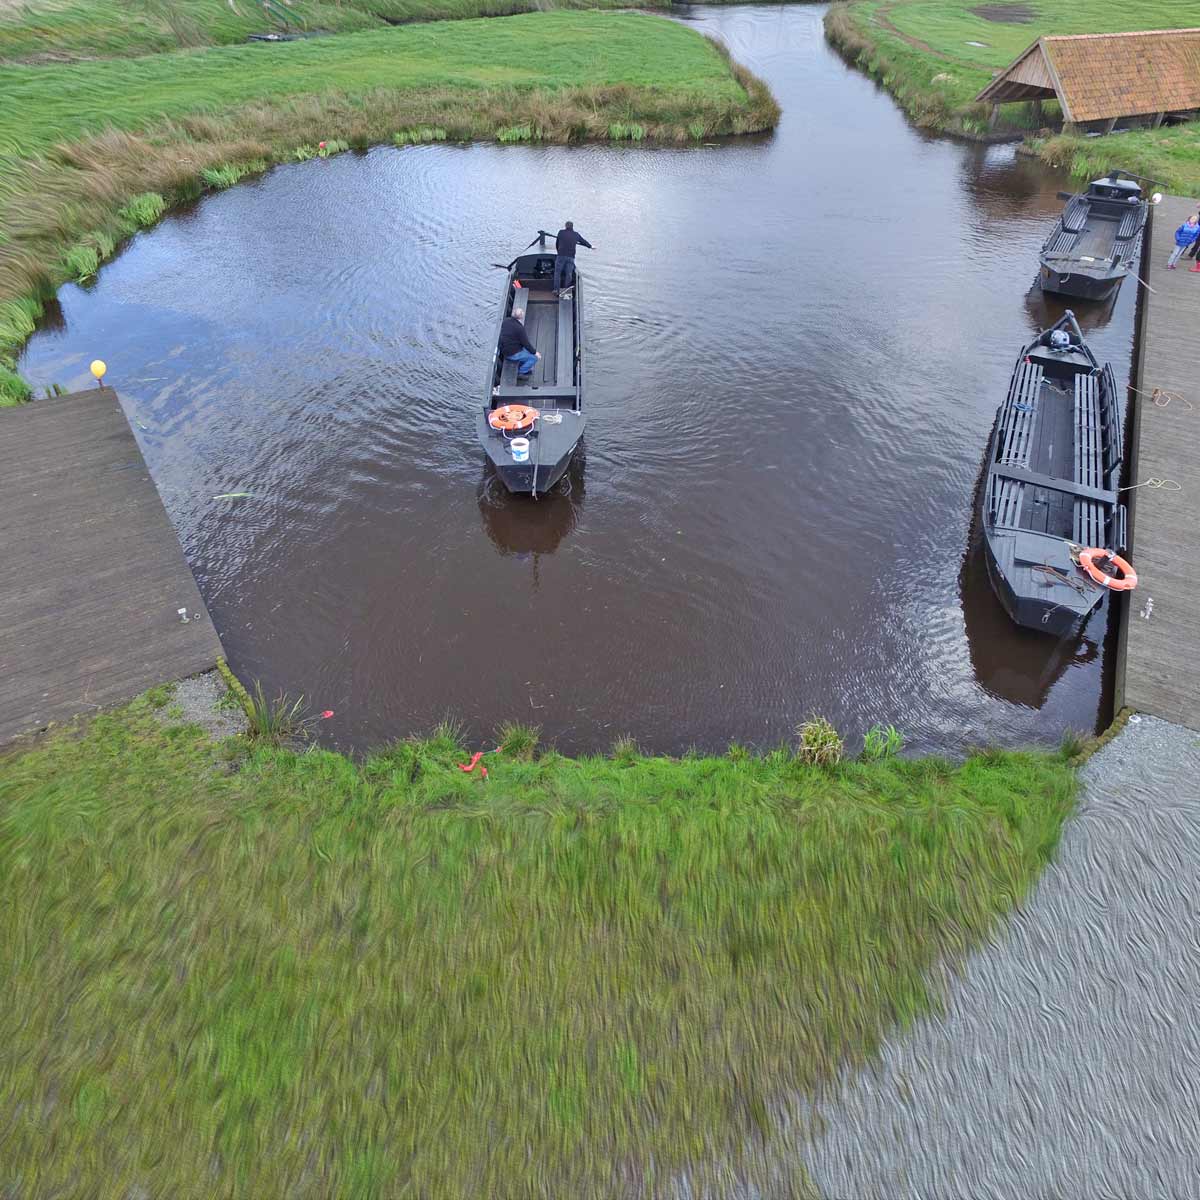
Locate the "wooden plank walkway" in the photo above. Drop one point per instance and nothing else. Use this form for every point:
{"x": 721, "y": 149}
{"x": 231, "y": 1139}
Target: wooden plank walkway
{"x": 1158, "y": 668}
{"x": 91, "y": 573}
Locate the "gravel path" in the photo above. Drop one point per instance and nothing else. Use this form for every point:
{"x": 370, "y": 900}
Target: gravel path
{"x": 1068, "y": 1064}
{"x": 194, "y": 702}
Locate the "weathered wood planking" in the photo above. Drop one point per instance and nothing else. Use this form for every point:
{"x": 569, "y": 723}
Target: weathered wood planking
{"x": 1158, "y": 669}
{"x": 91, "y": 573}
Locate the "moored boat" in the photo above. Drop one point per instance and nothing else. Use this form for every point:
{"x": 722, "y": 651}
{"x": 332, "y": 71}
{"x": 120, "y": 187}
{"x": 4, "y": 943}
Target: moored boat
{"x": 530, "y": 427}
{"x": 1096, "y": 241}
{"x": 1049, "y": 508}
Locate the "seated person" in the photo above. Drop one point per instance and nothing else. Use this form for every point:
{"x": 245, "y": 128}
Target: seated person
{"x": 515, "y": 346}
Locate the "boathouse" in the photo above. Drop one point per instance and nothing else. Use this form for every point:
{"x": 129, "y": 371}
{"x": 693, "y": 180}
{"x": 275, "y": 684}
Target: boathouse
{"x": 1100, "y": 79}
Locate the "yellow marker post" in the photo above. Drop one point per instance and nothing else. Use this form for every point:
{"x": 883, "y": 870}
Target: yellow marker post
{"x": 99, "y": 368}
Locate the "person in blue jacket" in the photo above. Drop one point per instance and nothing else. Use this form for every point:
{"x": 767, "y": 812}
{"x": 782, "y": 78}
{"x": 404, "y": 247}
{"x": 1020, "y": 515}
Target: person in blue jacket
{"x": 1185, "y": 236}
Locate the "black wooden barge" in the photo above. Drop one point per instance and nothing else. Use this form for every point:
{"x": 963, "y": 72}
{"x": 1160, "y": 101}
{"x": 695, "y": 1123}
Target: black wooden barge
{"x": 554, "y": 389}
{"x": 1050, "y": 482}
{"x": 1097, "y": 240}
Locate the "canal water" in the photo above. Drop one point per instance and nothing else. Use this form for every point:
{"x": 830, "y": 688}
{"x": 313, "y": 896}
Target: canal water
{"x": 797, "y": 344}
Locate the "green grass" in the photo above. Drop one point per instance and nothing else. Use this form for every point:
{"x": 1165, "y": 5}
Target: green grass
{"x": 45, "y": 105}
{"x": 55, "y": 31}
{"x": 937, "y": 81}
{"x": 235, "y": 971}
{"x": 58, "y": 30}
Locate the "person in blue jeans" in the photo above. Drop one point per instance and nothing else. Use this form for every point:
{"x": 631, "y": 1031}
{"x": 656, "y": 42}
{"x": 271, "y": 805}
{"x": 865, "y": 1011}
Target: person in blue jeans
{"x": 1185, "y": 236}
{"x": 516, "y": 347}
{"x": 564, "y": 256}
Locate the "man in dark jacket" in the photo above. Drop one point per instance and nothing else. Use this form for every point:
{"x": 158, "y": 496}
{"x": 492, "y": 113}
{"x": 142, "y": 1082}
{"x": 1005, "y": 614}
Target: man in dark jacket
{"x": 564, "y": 257}
{"x": 516, "y": 346}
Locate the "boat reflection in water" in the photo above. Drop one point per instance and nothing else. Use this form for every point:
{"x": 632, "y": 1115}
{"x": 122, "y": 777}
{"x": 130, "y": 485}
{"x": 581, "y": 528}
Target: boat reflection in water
{"x": 1013, "y": 664}
{"x": 516, "y": 526}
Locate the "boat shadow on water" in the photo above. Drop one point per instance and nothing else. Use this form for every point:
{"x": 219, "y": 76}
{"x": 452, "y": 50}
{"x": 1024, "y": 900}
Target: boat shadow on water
{"x": 516, "y": 526}
{"x": 1013, "y": 664}
{"x": 1045, "y": 309}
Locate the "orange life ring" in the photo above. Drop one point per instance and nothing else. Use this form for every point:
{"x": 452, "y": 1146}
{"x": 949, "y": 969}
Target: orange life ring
{"x": 511, "y": 417}
{"x": 1126, "y": 583}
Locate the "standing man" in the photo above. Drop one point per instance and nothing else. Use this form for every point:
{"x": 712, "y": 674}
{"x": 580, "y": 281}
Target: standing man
{"x": 515, "y": 346}
{"x": 564, "y": 257}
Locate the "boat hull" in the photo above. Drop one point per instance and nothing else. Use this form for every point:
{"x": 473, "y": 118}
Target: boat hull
{"x": 1079, "y": 285}
{"x": 552, "y": 446}
{"x": 1047, "y": 614}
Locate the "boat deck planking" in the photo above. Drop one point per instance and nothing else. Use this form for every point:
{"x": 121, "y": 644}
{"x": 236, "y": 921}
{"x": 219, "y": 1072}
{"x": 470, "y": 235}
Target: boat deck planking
{"x": 1158, "y": 668}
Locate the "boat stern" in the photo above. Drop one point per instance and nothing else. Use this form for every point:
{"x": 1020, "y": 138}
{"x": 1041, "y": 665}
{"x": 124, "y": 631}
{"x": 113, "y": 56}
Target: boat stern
{"x": 1038, "y": 583}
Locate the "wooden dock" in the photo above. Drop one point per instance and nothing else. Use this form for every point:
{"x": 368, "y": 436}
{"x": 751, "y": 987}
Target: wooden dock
{"x": 91, "y": 573}
{"x": 1158, "y": 667}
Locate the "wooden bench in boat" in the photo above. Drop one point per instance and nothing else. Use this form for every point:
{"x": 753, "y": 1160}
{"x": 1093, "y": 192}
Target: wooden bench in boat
{"x": 1131, "y": 223}
{"x": 1075, "y": 215}
{"x": 1015, "y": 444}
{"x": 1061, "y": 243}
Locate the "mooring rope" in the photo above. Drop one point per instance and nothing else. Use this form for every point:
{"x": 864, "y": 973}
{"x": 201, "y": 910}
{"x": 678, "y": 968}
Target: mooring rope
{"x": 1166, "y": 485}
{"x": 1160, "y": 397}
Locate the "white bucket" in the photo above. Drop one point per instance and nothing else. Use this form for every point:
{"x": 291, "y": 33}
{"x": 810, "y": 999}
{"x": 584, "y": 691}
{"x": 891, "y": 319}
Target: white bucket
{"x": 520, "y": 449}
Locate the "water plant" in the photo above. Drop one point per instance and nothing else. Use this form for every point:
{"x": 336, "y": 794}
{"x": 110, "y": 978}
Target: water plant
{"x": 517, "y": 740}
{"x": 818, "y": 743}
{"x": 276, "y": 721}
{"x": 82, "y": 262}
{"x": 881, "y": 741}
{"x": 227, "y": 174}
{"x": 144, "y": 209}
{"x": 333, "y": 146}
{"x": 515, "y": 133}
{"x": 415, "y": 137}
{"x": 625, "y": 750}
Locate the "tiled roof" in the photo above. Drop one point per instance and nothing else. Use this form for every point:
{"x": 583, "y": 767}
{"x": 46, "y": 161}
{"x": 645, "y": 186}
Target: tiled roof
{"x": 1104, "y": 75}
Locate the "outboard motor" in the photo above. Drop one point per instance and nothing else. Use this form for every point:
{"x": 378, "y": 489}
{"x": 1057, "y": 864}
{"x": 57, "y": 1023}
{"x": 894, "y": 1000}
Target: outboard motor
{"x": 1060, "y": 340}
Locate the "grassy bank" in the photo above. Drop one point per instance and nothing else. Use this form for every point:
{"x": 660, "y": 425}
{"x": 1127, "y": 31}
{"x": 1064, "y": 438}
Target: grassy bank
{"x": 935, "y": 56}
{"x": 90, "y": 152}
{"x": 262, "y": 973}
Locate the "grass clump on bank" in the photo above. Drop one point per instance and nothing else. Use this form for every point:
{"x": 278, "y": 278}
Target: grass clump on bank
{"x": 83, "y": 145}
{"x": 935, "y": 56}
{"x": 579, "y": 977}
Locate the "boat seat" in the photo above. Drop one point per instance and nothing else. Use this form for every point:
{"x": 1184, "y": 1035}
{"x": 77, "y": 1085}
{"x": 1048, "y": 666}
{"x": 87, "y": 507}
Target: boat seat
{"x": 520, "y": 306}
{"x": 1110, "y": 418}
{"x": 1017, "y": 420}
{"x": 1075, "y": 215}
{"x": 1131, "y": 223}
{"x": 1004, "y": 502}
{"x": 1061, "y": 243}
{"x": 565, "y": 360}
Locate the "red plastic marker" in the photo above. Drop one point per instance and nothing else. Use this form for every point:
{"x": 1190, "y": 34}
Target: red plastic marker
{"x": 469, "y": 767}
{"x": 327, "y": 714}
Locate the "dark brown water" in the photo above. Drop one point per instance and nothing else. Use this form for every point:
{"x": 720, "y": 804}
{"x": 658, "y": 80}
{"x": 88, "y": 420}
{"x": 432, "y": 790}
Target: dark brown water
{"x": 797, "y": 347}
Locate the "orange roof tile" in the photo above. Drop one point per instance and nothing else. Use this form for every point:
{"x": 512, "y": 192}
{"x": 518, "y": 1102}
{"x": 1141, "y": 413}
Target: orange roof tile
{"x": 1103, "y": 75}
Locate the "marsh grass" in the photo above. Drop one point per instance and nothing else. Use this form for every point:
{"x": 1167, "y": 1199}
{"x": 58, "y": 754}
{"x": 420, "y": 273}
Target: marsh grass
{"x": 517, "y": 740}
{"x": 818, "y": 743}
{"x": 579, "y": 980}
{"x": 882, "y": 741}
{"x": 278, "y": 720}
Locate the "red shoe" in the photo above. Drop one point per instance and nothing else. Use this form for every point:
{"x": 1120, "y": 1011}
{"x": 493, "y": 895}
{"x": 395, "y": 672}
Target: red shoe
{"x": 1196, "y": 268}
